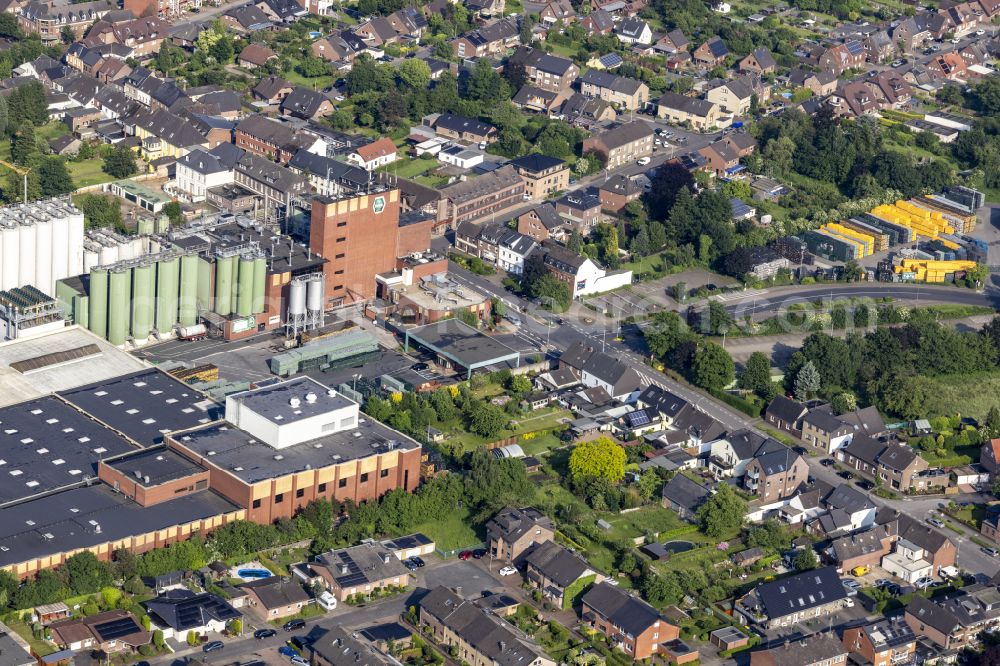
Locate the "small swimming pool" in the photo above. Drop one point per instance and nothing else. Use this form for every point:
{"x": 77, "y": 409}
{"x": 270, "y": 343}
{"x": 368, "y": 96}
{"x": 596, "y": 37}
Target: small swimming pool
{"x": 678, "y": 546}
{"x": 315, "y": 35}
{"x": 253, "y": 573}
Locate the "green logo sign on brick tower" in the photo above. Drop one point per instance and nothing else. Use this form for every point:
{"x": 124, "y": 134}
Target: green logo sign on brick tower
{"x": 379, "y": 205}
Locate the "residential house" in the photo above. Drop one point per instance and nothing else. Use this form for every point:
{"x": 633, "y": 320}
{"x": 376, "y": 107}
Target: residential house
{"x": 581, "y": 274}
{"x": 272, "y": 139}
{"x": 486, "y": 9}
{"x": 684, "y": 496}
{"x": 580, "y": 209}
{"x": 330, "y": 177}
{"x": 65, "y": 145}
{"x": 277, "y": 184}
{"x": 617, "y": 192}
{"x": 884, "y": 642}
{"x": 963, "y": 18}
{"x": 282, "y": 11}
{"x": 555, "y": 11}
{"x": 49, "y": 19}
{"x": 879, "y": 46}
{"x": 539, "y": 100}
{"x": 340, "y": 47}
{"x": 373, "y": 155}
{"x": 938, "y": 548}
{"x": 544, "y": 70}
{"x": 377, "y": 31}
{"x": 338, "y": 647}
{"x": 587, "y": 111}
{"x": 272, "y": 89}
{"x": 489, "y": 40}
{"x": 598, "y": 22}
{"x": 246, "y": 19}
{"x": 631, "y": 624}
{"x": 476, "y": 637}
{"x": 360, "y": 570}
{"x": 722, "y": 160}
{"x": 181, "y": 612}
{"x": 955, "y": 620}
{"x": 895, "y": 89}
{"x": 467, "y": 130}
{"x": 857, "y": 99}
{"x": 622, "y": 91}
{"x": 820, "y": 83}
{"x": 673, "y": 42}
{"x": 276, "y": 597}
{"x": 513, "y": 532}
{"x": 699, "y": 114}
{"x": 602, "y": 370}
{"x": 560, "y": 574}
{"x": 911, "y": 33}
{"x": 461, "y": 156}
{"x": 864, "y": 548}
{"x": 109, "y": 632}
{"x": 892, "y": 463}
{"x": 540, "y": 222}
{"x": 479, "y": 197}
{"x": 823, "y": 649}
{"x": 712, "y": 53}
{"x": 760, "y": 61}
{"x": 785, "y": 414}
{"x": 733, "y": 97}
{"x": 513, "y": 249}
{"x": 255, "y": 55}
{"x": 949, "y": 66}
{"x": 165, "y": 134}
{"x": 908, "y": 562}
{"x": 823, "y": 429}
{"x": 731, "y": 454}
{"x": 142, "y": 35}
{"x": 792, "y": 599}
{"x": 634, "y": 30}
{"x": 989, "y": 456}
{"x": 542, "y": 175}
{"x": 305, "y": 104}
{"x": 775, "y": 475}
{"x": 409, "y": 23}
{"x": 201, "y": 170}
{"x": 621, "y": 144}
{"x": 847, "y": 510}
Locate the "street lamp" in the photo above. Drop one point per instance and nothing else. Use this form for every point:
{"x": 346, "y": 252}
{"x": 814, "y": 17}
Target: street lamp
{"x": 354, "y": 386}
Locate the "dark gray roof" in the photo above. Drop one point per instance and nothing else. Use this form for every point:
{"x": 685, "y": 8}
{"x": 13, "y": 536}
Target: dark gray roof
{"x": 632, "y": 615}
{"x": 621, "y": 376}
{"x": 682, "y": 491}
{"x": 823, "y": 420}
{"x": 12, "y": 654}
{"x": 849, "y": 499}
{"x": 462, "y": 124}
{"x": 144, "y": 405}
{"x": 778, "y": 461}
{"x": 933, "y": 615}
{"x": 764, "y": 58}
{"x": 535, "y": 163}
{"x": 556, "y": 563}
{"x": 825, "y": 648}
{"x": 250, "y": 17}
{"x": 277, "y": 177}
{"x": 511, "y": 524}
{"x": 689, "y": 105}
{"x": 346, "y": 175}
{"x": 183, "y": 609}
{"x": 363, "y": 564}
{"x": 786, "y": 409}
{"x": 338, "y": 647}
{"x": 462, "y": 342}
{"x": 625, "y": 133}
{"x": 277, "y": 591}
{"x": 800, "y": 592}
{"x": 547, "y": 215}
{"x": 661, "y": 400}
{"x": 618, "y": 84}
{"x": 302, "y": 102}
{"x": 151, "y": 467}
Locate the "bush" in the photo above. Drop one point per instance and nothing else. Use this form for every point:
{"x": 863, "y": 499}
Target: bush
{"x": 750, "y": 408}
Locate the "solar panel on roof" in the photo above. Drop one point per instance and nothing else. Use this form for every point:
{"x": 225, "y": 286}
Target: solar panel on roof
{"x": 611, "y": 60}
{"x": 639, "y": 418}
{"x": 109, "y": 631}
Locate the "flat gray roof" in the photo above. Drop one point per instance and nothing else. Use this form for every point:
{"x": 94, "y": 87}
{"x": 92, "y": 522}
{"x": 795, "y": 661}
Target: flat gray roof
{"x": 152, "y": 467}
{"x": 145, "y": 405}
{"x": 274, "y": 402}
{"x": 45, "y": 444}
{"x": 461, "y": 343}
{"x": 87, "y": 516}
{"x": 12, "y": 653}
{"x": 16, "y": 386}
{"x": 251, "y": 460}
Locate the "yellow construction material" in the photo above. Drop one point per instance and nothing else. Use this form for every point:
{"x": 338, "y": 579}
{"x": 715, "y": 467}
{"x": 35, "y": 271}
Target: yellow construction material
{"x": 859, "y": 247}
{"x": 951, "y": 245}
{"x": 923, "y": 221}
{"x": 867, "y": 239}
{"x": 929, "y": 270}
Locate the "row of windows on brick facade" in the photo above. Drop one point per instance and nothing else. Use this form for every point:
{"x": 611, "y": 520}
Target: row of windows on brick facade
{"x": 321, "y": 488}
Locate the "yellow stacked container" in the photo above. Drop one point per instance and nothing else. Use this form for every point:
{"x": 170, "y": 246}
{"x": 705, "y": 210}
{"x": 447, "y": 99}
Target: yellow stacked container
{"x": 927, "y": 270}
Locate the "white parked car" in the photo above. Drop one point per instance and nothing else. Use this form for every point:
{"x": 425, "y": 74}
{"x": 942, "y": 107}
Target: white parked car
{"x": 642, "y": 161}
{"x": 508, "y": 571}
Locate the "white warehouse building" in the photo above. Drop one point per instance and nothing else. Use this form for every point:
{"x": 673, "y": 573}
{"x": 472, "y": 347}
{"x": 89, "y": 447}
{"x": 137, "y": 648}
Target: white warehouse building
{"x": 40, "y": 242}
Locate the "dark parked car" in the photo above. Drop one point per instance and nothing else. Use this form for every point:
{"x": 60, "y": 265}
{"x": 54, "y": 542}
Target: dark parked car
{"x": 298, "y": 642}
{"x": 865, "y": 484}
{"x": 292, "y": 625}
{"x": 212, "y": 646}
{"x": 479, "y": 553}
{"x": 410, "y": 564}
{"x": 419, "y": 561}
{"x": 827, "y": 462}
{"x": 419, "y": 367}
{"x": 846, "y": 474}
{"x": 264, "y": 633}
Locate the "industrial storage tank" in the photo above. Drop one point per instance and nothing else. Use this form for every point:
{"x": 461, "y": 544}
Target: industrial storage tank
{"x": 187, "y": 305}
{"x": 297, "y": 298}
{"x": 244, "y": 292}
{"x": 60, "y": 248}
{"x": 167, "y": 294}
{"x": 315, "y": 294}
{"x": 98, "y": 317}
{"x": 143, "y": 294}
{"x": 224, "y": 268}
{"x": 10, "y": 258}
{"x": 119, "y": 292}
{"x": 26, "y": 256}
{"x": 109, "y": 253}
{"x": 204, "y": 293}
{"x": 259, "y": 284}
{"x": 43, "y": 254}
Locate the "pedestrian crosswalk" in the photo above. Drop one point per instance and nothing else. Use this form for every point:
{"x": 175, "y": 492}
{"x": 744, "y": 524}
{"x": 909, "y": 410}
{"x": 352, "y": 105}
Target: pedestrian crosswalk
{"x": 737, "y": 295}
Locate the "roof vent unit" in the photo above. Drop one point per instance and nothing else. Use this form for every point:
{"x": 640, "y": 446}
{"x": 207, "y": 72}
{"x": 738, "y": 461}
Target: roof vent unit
{"x": 311, "y": 398}
{"x": 294, "y": 402}
{"x": 279, "y": 457}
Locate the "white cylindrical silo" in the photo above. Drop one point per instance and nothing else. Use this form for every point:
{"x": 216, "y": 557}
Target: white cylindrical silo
{"x": 11, "y": 257}
{"x": 314, "y": 295}
{"x": 60, "y": 248}
{"x": 109, "y": 253}
{"x": 43, "y": 256}
{"x": 296, "y": 298}
{"x": 26, "y": 272}
{"x": 90, "y": 259}
{"x": 74, "y": 256}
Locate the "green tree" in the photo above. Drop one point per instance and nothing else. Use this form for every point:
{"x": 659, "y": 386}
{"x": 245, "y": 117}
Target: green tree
{"x": 844, "y": 402}
{"x": 414, "y": 73}
{"x": 28, "y": 104}
{"x": 601, "y": 457}
{"x": 807, "y": 382}
{"x": 486, "y": 420}
{"x": 86, "y": 574}
{"x": 120, "y": 162}
{"x": 23, "y": 145}
{"x": 519, "y": 385}
{"x": 756, "y": 374}
{"x": 492, "y": 483}
{"x": 174, "y": 212}
{"x": 722, "y": 514}
{"x": 101, "y": 211}
{"x": 805, "y": 560}
{"x": 54, "y": 177}
{"x": 991, "y": 426}
{"x": 312, "y": 68}
{"x": 713, "y": 367}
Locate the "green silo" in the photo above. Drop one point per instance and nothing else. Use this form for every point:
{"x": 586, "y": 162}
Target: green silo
{"x": 187, "y": 309}
{"x": 143, "y": 295}
{"x": 81, "y": 311}
{"x": 244, "y": 294}
{"x": 204, "y": 298}
{"x": 119, "y": 294}
{"x": 167, "y": 278}
{"x": 259, "y": 284}
{"x": 99, "y": 302}
{"x": 224, "y": 269}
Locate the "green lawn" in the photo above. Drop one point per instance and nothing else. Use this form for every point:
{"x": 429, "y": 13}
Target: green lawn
{"x": 534, "y": 421}
{"x": 410, "y": 168}
{"x": 316, "y": 83}
{"x": 652, "y": 518}
{"x": 88, "y": 172}
{"x": 432, "y": 181}
{"x": 451, "y": 533}
{"x": 968, "y": 395}
{"x": 40, "y": 648}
